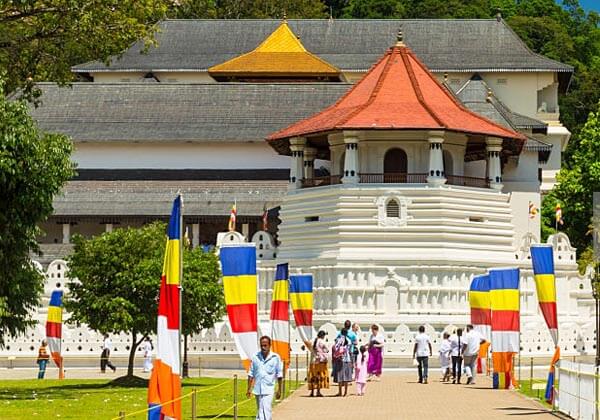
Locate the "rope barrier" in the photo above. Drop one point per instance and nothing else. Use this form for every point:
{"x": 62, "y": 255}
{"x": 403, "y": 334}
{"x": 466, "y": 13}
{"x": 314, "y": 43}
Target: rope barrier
{"x": 145, "y": 410}
{"x": 229, "y": 409}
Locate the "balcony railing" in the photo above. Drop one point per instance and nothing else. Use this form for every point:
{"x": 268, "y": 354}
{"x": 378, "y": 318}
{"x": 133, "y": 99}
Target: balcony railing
{"x": 397, "y": 178}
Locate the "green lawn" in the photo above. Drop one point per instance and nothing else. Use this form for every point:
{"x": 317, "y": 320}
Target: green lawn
{"x": 525, "y": 388}
{"x": 103, "y": 399}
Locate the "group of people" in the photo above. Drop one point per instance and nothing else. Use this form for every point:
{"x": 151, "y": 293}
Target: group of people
{"x": 350, "y": 360}
{"x": 455, "y": 349}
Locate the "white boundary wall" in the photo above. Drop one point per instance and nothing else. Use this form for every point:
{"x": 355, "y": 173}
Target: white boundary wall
{"x": 578, "y": 390}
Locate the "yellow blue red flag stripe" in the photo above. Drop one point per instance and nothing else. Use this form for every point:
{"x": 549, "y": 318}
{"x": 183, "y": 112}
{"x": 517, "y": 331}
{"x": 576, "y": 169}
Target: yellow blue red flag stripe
{"x": 238, "y": 265}
{"x": 301, "y": 298}
{"x": 54, "y": 329}
{"x": 280, "y": 314}
{"x": 545, "y": 284}
{"x": 165, "y": 382}
{"x": 505, "y": 306}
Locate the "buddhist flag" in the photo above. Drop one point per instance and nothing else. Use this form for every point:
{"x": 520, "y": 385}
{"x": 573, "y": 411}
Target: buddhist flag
{"x": 238, "y": 264}
{"x": 265, "y": 220}
{"x": 558, "y": 214}
{"x": 301, "y": 297}
{"x": 54, "y": 329}
{"x": 165, "y": 383}
{"x": 481, "y": 314}
{"x": 280, "y": 315}
{"x": 533, "y": 210}
{"x": 505, "y": 305}
{"x": 233, "y": 218}
{"x": 545, "y": 284}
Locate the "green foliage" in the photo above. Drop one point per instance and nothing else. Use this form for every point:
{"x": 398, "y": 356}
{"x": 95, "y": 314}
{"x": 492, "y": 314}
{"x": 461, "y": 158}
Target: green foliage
{"x": 203, "y": 299}
{"x": 34, "y": 165}
{"x": 576, "y": 185}
{"x": 116, "y": 280}
{"x": 244, "y": 9}
{"x": 42, "y": 39}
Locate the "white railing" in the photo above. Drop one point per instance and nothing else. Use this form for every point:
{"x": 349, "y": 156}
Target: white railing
{"x": 578, "y": 387}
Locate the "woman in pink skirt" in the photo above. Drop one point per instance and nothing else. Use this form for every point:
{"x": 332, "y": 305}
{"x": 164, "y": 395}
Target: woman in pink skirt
{"x": 376, "y": 342}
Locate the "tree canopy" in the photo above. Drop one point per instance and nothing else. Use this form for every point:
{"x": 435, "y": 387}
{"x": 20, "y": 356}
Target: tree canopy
{"x": 33, "y": 167}
{"x": 115, "y": 280}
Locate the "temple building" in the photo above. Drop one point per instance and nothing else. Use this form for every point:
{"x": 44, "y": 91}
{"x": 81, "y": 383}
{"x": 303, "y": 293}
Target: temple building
{"x": 392, "y": 168}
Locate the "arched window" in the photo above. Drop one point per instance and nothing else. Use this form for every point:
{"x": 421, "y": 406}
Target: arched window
{"x": 448, "y": 166}
{"x": 395, "y": 165}
{"x": 392, "y": 208}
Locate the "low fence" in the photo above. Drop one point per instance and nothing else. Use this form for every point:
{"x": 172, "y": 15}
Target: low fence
{"x": 578, "y": 390}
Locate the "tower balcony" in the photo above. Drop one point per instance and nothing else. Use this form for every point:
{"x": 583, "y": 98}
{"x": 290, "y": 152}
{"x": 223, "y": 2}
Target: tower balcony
{"x": 396, "y": 178}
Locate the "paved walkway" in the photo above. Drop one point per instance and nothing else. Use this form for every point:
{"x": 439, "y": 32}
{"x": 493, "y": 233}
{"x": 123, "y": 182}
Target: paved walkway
{"x": 400, "y": 396}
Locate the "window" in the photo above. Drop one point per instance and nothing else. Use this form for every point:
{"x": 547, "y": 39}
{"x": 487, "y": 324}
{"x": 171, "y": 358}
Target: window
{"x": 392, "y": 209}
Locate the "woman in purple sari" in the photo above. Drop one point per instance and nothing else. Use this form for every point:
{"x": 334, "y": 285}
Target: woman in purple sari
{"x": 376, "y": 342}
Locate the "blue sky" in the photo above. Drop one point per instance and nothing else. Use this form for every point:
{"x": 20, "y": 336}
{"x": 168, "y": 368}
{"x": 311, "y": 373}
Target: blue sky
{"x": 590, "y": 5}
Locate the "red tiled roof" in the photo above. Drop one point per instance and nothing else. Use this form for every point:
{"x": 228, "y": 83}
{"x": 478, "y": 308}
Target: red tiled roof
{"x": 397, "y": 93}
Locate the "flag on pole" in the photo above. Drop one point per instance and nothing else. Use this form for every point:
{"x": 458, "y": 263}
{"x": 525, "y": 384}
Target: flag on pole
{"x": 54, "y": 329}
{"x": 301, "y": 298}
{"x": 165, "y": 382}
{"x": 280, "y": 315}
{"x": 481, "y": 314}
{"x": 238, "y": 264}
{"x": 558, "y": 214}
{"x": 233, "y": 218}
{"x": 533, "y": 210}
{"x": 545, "y": 284}
{"x": 505, "y": 305}
{"x": 265, "y": 220}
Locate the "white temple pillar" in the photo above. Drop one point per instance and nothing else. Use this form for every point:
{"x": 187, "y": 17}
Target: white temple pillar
{"x": 246, "y": 230}
{"x": 297, "y": 165}
{"x": 350, "y": 175}
{"x": 309, "y": 162}
{"x": 195, "y": 235}
{"x": 108, "y": 227}
{"x": 494, "y": 168}
{"x": 66, "y": 231}
{"x": 436, "y": 175}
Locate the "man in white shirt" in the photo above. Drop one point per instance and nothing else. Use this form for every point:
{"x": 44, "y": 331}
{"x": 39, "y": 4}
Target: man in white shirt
{"x": 470, "y": 349}
{"x": 456, "y": 343}
{"x": 422, "y": 351}
{"x": 104, "y": 357}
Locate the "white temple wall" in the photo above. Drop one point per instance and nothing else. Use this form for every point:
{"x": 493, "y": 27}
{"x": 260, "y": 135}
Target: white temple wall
{"x": 117, "y": 76}
{"x": 168, "y": 155}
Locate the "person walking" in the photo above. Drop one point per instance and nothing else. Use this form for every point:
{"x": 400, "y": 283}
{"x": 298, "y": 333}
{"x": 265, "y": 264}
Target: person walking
{"x": 445, "y": 358}
{"x": 376, "y": 342}
{"x": 470, "y": 348}
{"x": 266, "y": 368}
{"x": 42, "y": 359}
{"x": 362, "y": 363}
{"x": 105, "y": 355}
{"x": 422, "y": 351}
{"x": 318, "y": 377}
{"x": 342, "y": 362}
{"x": 456, "y": 353}
{"x": 352, "y": 330}
{"x": 147, "y": 348}
{"x": 355, "y": 341}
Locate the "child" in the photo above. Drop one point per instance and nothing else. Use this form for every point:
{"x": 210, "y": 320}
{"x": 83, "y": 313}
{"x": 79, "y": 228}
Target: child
{"x": 445, "y": 349}
{"x": 362, "y": 361}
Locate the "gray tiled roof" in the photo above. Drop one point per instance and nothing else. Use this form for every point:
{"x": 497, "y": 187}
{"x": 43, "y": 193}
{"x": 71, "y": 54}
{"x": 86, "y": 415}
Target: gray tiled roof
{"x": 177, "y": 112}
{"x": 155, "y": 198}
{"x": 351, "y": 45}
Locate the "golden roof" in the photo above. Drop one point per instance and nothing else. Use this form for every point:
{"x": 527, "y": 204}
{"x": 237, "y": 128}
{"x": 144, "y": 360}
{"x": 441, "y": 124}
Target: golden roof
{"x": 281, "y": 54}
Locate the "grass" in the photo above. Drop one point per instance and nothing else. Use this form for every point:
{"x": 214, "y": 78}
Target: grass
{"x": 525, "y": 388}
{"x": 104, "y": 399}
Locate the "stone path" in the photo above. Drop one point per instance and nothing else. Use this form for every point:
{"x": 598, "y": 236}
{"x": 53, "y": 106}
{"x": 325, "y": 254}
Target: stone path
{"x": 400, "y": 396}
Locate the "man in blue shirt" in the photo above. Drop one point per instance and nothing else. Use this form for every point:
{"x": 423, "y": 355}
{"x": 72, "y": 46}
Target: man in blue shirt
{"x": 265, "y": 369}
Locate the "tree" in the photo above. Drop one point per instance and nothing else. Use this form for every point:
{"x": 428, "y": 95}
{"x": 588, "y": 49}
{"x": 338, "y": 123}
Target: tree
{"x": 34, "y": 165}
{"x": 576, "y": 185}
{"x": 245, "y": 9}
{"x": 42, "y": 39}
{"x": 203, "y": 300}
{"x": 115, "y": 280}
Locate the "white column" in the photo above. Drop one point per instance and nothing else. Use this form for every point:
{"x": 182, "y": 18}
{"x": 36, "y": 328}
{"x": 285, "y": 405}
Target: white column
{"x": 309, "y": 162}
{"x": 246, "y": 230}
{"x": 66, "y": 228}
{"x": 350, "y": 175}
{"x": 297, "y": 165}
{"x": 494, "y": 168}
{"x": 108, "y": 227}
{"x": 436, "y": 175}
{"x": 195, "y": 235}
